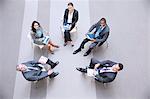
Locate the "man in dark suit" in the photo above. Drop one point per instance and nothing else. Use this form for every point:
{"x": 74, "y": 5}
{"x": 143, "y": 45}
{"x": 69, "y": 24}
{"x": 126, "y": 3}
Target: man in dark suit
{"x": 35, "y": 71}
{"x": 99, "y": 32}
{"x": 70, "y": 20}
{"x": 106, "y": 71}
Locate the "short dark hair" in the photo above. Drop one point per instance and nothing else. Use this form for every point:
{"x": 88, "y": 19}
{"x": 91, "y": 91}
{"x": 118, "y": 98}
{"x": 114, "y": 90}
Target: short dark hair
{"x": 70, "y": 3}
{"x": 103, "y": 19}
{"x": 32, "y": 27}
{"x": 120, "y": 66}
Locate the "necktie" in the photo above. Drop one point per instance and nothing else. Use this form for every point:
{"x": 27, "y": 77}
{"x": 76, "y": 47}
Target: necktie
{"x": 31, "y": 68}
{"x": 104, "y": 69}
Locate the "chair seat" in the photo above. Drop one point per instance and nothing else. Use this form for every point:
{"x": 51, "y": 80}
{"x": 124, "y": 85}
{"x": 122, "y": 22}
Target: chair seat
{"x": 30, "y": 38}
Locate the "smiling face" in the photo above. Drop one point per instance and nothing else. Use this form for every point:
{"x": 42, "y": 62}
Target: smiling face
{"x": 21, "y": 67}
{"x": 102, "y": 23}
{"x": 36, "y": 25}
{"x": 70, "y": 8}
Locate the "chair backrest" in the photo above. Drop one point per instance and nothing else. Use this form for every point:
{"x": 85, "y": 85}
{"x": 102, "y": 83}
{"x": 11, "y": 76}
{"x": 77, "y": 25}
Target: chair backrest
{"x": 29, "y": 37}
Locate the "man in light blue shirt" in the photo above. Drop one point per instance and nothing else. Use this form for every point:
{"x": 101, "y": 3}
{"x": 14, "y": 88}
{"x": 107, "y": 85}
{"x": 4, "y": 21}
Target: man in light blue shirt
{"x": 97, "y": 34}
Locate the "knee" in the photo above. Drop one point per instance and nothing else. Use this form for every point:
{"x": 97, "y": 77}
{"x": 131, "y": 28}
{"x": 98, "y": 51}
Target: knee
{"x": 101, "y": 43}
{"x": 85, "y": 40}
{"x": 91, "y": 46}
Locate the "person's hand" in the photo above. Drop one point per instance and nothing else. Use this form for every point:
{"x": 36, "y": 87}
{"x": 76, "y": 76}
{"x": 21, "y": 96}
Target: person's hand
{"x": 93, "y": 40}
{"x": 96, "y": 66}
{"x": 50, "y": 72}
{"x": 95, "y": 73}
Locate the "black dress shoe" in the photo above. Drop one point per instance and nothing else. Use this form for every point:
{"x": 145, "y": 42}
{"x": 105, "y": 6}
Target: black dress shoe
{"x": 82, "y": 70}
{"x": 55, "y": 64}
{"x": 79, "y": 69}
{"x": 54, "y": 74}
{"x": 65, "y": 44}
{"x": 76, "y": 51}
{"x": 52, "y": 52}
{"x": 72, "y": 45}
{"x": 86, "y": 54}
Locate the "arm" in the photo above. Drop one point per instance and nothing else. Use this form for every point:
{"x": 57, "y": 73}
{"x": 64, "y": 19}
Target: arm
{"x": 92, "y": 27}
{"x": 31, "y": 62}
{"x": 65, "y": 17}
{"x": 97, "y": 66}
{"x": 32, "y": 34}
{"x": 31, "y": 75}
{"x": 35, "y": 75}
{"x": 106, "y": 62}
{"x": 76, "y": 18}
{"x": 43, "y": 75}
{"x": 104, "y": 37}
{"x": 45, "y": 33}
{"x": 104, "y": 79}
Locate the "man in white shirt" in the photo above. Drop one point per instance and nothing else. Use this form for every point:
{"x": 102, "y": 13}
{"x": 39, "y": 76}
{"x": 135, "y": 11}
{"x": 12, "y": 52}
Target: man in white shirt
{"x": 106, "y": 71}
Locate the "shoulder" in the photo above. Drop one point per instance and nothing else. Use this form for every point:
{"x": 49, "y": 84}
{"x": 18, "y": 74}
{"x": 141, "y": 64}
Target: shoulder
{"x": 66, "y": 10}
{"x": 76, "y": 11}
{"x": 107, "y": 27}
{"x": 32, "y": 32}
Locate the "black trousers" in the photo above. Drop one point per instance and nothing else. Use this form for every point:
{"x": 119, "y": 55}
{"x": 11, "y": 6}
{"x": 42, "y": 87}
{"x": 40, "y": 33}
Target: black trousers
{"x": 93, "y": 62}
{"x": 84, "y": 42}
{"x": 67, "y": 36}
{"x": 52, "y": 64}
{"x": 91, "y": 46}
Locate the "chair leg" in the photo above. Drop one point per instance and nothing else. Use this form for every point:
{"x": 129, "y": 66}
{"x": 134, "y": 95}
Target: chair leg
{"x": 105, "y": 85}
{"x": 35, "y": 83}
{"x": 32, "y": 45}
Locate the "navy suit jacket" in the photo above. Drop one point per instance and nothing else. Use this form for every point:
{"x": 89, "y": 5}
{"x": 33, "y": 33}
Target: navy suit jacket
{"x": 106, "y": 76}
{"x": 34, "y": 75}
{"x": 103, "y": 35}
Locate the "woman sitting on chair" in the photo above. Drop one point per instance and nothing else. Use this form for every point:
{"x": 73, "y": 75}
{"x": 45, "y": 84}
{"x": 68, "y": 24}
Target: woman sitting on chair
{"x": 69, "y": 22}
{"x": 39, "y": 38}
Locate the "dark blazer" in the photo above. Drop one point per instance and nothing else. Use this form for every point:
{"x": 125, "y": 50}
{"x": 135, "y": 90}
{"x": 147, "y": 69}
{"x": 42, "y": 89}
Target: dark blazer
{"x": 106, "y": 76}
{"x": 74, "y": 18}
{"x": 103, "y": 35}
{"x": 34, "y": 75}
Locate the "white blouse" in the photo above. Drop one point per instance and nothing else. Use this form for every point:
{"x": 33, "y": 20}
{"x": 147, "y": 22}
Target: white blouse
{"x": 70, "y": 15}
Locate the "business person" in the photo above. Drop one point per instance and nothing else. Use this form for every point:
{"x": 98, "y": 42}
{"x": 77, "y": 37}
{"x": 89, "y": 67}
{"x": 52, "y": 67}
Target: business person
{"x": 40, "y": 37}
{"x": 97, "y": 34}
{"x": 105, "y": 71}
{"x": 69, "y": 22}
{"x": 33, "y": 70}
